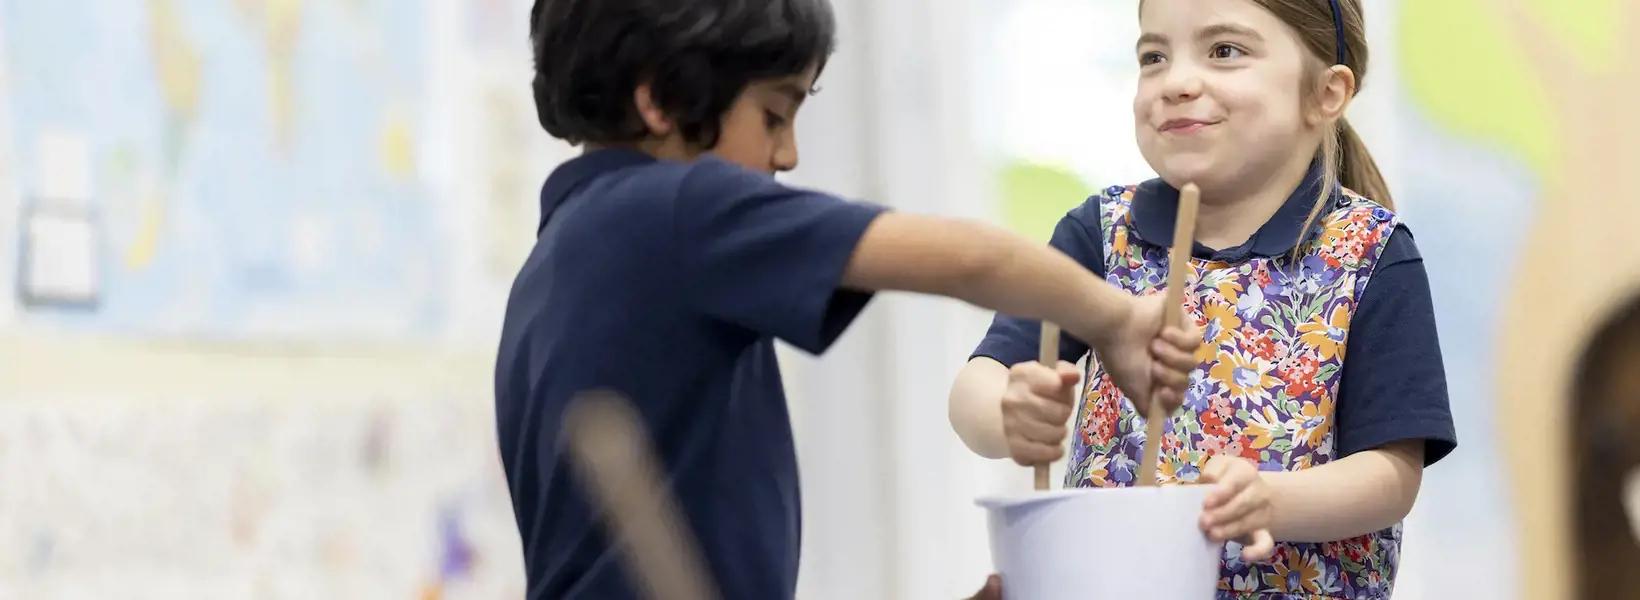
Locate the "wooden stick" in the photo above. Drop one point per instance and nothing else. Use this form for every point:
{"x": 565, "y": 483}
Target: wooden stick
{"x": 1178, "y": 271}
{"x": 1048, "y": 355}
{"x": 619, "y": 467}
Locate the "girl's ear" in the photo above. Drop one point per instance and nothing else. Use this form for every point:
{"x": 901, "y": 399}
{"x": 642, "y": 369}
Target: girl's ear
{"x": 1333, "y": 95}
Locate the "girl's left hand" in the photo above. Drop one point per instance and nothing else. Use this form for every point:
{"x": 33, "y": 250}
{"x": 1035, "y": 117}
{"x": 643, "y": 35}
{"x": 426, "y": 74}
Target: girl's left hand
{"x": 1239, "y": 507}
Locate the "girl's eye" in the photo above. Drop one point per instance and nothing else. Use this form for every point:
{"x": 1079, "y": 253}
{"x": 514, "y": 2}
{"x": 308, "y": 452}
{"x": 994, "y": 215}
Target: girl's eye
{"x": 1223, "y": 51}
{"x": 1149, "y": 58}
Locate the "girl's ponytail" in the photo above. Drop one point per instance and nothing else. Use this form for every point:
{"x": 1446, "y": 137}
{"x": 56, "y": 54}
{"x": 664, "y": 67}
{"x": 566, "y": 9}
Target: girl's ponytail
{"x": 1356, "y": 170}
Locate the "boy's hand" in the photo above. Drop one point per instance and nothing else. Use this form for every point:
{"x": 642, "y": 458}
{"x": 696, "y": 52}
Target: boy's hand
{"x": 991, "y": 591}
{"x": 1150, "y": 363}
{"x": 1036, "y": 409}
{"x": 1239, "y": 508}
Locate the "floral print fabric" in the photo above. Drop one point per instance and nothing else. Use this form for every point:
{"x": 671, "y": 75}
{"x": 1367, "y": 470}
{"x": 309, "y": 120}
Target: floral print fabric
{"x": 1275, "y": 329}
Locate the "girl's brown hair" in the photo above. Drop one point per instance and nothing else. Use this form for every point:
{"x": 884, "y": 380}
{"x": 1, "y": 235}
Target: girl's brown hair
{"x": 1344, "y": 157}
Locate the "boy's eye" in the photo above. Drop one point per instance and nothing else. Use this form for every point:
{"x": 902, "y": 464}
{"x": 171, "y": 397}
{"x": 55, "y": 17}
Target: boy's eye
{"x": 1149, "y": 58}
{"x": 1226, "y": 51}
{"x": 772, "y": 119}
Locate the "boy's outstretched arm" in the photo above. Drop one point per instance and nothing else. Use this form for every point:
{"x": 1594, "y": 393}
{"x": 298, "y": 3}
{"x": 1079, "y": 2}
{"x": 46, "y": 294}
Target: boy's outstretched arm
{"x": 986, "y": 266}
{"x": 800, "y": 265}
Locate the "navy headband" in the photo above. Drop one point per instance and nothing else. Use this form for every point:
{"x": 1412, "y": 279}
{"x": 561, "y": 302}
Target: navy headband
{"x": 1338, "y": 28}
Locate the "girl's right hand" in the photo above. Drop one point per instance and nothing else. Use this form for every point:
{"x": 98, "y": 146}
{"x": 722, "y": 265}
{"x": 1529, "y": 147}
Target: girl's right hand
{"x": 1036, "y": 411}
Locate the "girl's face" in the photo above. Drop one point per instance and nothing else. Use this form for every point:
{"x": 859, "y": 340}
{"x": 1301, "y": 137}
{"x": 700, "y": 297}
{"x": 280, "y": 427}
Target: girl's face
{"x": 1220, "y": 100}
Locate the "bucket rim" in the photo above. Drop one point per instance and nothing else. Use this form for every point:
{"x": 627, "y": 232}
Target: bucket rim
{"x": 1017, "y": 499}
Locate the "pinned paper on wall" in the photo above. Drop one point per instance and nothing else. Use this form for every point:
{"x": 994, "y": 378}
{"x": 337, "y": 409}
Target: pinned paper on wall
{"x": 61, "y": 265}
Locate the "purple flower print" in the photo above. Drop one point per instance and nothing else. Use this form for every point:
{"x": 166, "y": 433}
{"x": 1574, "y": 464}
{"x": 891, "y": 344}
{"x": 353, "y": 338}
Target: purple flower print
{"x": 1188, "y": 473}
{"x": 1195, "y": 396}
{"x": 1315, "y": 275}
{"x": 1120, "y": 469}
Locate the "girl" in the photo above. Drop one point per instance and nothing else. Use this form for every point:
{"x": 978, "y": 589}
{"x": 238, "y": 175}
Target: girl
{"x": 1299, "y": 263}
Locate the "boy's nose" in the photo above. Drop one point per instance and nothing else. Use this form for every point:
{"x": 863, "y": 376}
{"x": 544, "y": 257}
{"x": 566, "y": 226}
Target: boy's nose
{"x": 785, "y": 158}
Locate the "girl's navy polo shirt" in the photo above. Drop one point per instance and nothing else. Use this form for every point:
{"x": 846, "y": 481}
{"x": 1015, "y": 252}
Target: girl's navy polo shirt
{"x": 669, "y": 282}
{"x": 1393, "y": 387}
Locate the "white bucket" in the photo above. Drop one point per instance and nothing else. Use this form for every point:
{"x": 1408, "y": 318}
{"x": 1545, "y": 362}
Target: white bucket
{"x": 1098, "y": 543}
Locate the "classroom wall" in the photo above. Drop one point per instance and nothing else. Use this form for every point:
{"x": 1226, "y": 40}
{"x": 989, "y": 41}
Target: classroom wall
{"x": 220, "y": 428}
{"x": 306, "y": 215}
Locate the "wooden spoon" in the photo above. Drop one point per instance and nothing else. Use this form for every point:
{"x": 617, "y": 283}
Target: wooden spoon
{"x": 1178, "y": 271}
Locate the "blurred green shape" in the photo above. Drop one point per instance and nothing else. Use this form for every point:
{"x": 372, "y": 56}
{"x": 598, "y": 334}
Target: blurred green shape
{"x": 1467, "y": 70}
{"x": 1035, "y": 196}
{"x": 1466, "y": 64}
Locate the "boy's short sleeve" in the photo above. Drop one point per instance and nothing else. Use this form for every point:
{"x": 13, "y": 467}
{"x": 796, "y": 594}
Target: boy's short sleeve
{"x": 767, "y": 257}
{"x": 1012, "y": 340}
{"x": 1393, "y": 386}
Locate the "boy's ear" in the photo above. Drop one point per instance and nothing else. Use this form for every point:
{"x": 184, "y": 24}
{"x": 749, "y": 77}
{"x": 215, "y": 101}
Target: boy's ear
{"x": 1336, "y": 91}
{"x": 655, "y": 119}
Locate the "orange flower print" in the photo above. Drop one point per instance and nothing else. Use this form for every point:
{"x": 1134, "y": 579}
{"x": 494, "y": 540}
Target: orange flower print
{"x": 1097, "y": 472}
{"x": 1262, "y": 428}
{"x": 1229, "y": 289}
{"x": 1246, "y": 378}
{"x": 1313, "y": 421}
{"x": 1295, "y": 573}
{"x": 1327, "y": 335}
{"x": 1335, "y": 231}
{"x": 1119, "y": 242}
{"x": 1221, "y": 322}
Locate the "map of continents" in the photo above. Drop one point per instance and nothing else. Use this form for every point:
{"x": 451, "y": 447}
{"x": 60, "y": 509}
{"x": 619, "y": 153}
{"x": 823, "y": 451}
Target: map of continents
{"x": 253, "y": 162}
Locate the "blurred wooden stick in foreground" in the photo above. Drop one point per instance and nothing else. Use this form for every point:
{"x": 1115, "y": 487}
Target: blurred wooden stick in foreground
{"x": 618, "y": 464}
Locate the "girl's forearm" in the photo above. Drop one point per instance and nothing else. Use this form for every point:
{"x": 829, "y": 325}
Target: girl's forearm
{"x": 1346, "y": 498}
{"x": 975, "y": 407}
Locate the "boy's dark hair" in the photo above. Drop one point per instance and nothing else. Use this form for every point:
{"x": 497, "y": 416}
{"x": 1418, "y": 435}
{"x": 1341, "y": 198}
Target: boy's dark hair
{"x": 696, "y": 55}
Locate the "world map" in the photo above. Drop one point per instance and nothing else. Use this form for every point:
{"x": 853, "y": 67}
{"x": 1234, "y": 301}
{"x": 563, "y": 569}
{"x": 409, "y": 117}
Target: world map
{"x": 253, "y": 164}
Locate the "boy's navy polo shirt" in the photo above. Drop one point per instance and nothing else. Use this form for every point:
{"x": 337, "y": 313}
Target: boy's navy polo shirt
{"x": 668, "y": 282}
{"x": 1393, "y": 387}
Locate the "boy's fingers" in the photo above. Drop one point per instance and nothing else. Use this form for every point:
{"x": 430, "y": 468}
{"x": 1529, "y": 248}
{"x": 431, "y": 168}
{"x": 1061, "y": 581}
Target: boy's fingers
{"x": 1068, "y": 373}
{"x": 1174, "y": 356}
{"x": 1169, "y": 399}
{"x": 1164, "y": 378}
{"x": 1186, "y": 338}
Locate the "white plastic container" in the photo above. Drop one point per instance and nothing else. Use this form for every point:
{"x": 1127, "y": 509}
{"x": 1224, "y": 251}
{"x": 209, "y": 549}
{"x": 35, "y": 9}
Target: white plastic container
{"x": 1104, "y": 543}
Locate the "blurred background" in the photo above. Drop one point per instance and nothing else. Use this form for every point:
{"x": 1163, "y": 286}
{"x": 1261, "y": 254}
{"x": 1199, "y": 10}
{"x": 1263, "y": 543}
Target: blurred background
{"x": 257, "y": 252}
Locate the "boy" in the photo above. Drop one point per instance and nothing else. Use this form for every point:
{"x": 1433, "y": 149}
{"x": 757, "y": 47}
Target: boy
{"x": 668, "y": 259}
